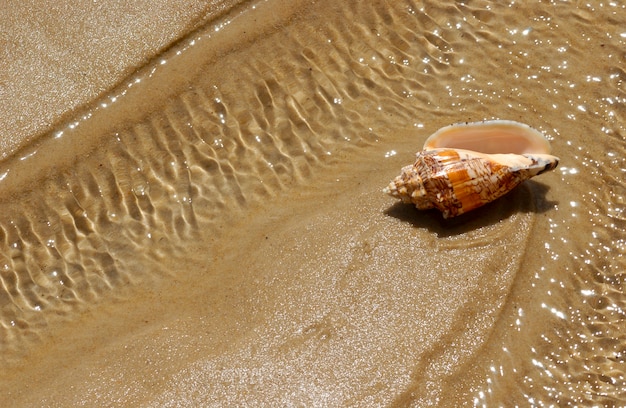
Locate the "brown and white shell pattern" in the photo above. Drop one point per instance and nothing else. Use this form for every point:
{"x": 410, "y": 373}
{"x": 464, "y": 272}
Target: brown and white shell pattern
{"x": 457, "y": 180}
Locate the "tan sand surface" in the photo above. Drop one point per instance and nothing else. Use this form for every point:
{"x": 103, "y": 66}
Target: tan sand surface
{"x": 199, "y": 220}
{"x": 59, "y": 56}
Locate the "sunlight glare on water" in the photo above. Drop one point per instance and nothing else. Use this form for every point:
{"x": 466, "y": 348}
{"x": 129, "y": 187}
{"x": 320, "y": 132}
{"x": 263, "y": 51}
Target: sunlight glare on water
{"x": 223, "y": 233}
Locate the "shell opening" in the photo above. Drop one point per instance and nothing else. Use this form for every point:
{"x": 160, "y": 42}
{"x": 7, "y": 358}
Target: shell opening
{"x": 491, "y": 137}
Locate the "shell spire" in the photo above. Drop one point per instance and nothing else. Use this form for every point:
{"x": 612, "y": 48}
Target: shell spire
{"x": 456, "y": 180}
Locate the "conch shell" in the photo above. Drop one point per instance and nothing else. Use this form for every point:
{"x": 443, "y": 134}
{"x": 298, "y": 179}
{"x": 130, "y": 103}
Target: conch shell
{"x": 463, "y": 167}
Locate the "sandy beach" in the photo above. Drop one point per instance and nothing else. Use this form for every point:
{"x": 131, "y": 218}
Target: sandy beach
{"x": 191, "y": 206}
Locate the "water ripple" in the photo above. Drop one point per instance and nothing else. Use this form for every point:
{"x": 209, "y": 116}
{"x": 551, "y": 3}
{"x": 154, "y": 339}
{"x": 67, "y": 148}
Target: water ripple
{"x": 544, "y": 321}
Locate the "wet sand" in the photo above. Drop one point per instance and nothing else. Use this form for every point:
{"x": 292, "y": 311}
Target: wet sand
{"x": 59, "y": 57}
{"x": 211, "y": 231}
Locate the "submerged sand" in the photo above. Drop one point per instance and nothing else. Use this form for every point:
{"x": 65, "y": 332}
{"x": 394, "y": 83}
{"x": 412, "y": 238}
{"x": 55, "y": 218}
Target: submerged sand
{"x": 208, "y": 228}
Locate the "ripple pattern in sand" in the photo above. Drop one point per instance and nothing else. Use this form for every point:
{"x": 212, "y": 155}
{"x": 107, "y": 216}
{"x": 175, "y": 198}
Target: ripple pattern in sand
{"x": 83, "y": 232}
{"x": 263, "y": 119}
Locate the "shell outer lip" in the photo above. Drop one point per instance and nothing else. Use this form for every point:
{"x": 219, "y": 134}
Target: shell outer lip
{"x": 491, "y": 136}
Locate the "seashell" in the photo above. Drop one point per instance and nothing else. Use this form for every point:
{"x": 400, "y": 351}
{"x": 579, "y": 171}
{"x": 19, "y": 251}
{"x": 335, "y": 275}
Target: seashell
{"x": 463, "y": 167}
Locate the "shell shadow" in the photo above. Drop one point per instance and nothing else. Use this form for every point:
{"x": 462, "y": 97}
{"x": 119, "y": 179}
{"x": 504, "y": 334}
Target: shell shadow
{"x": 529, "y": 197}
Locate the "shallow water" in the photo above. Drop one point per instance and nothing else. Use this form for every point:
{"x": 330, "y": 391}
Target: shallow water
{"x": 213, "y": 230}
